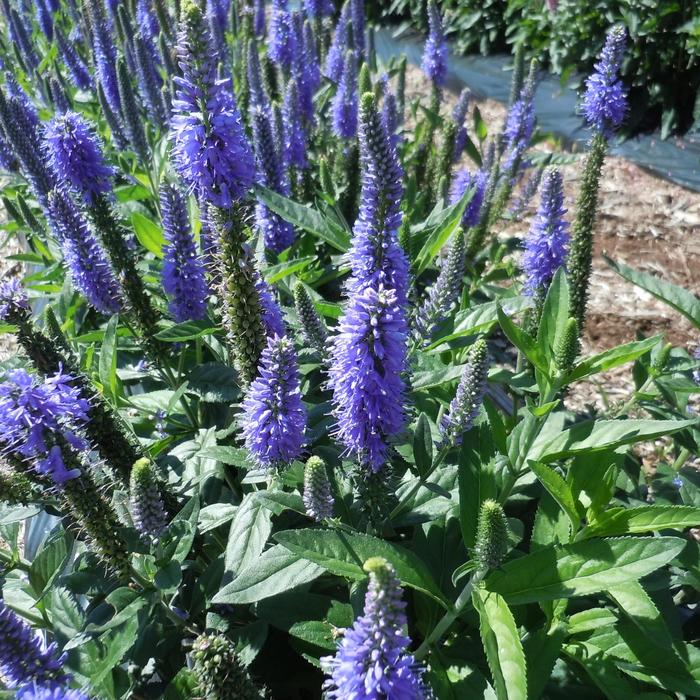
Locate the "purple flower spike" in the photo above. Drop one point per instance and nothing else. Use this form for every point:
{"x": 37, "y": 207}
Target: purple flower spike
{"x": 89, "y": 268}
{"x": 183, "y": 270}
{"x": 547, "y": 243}
{"x": 146, "y": 19}
{"x": 76, "y": 156}
{"x": 282, "y": 47}
{"x": 435, "y": 53}
{"x": 372, "y": 660}
{"x": 459, "y": 114}
{"x": 271, "y": 312}
{"x": 605, "y": 100}
{"x": 259, "y": 27}
{"x": 346, "y": 99}
{"x": 520, "y": 125}
{"x": 105, "y": 55}
{"x": 376, "y": 258}
{"x": 278, "y": 234}
{"x": 36, "y": 415}
{"x": 210, "y": 152}
{"x": 462, "y": 182}
{"x": 309, "y": 74}
{"x": 23, "y": 658}
{"x": 336, "y": 54}
{"x": 294, "y": 131}
{"x": 274, "y": 417}
{"x": 357, "y": 13}
{"x": 13, "y": 299}
{"x": 368, "y": 360}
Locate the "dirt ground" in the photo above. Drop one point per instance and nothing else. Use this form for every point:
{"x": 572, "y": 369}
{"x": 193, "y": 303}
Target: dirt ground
{"x": 643, "y": 221}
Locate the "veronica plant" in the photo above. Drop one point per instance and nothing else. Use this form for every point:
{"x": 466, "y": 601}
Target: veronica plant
{"x": 289, "y": 406}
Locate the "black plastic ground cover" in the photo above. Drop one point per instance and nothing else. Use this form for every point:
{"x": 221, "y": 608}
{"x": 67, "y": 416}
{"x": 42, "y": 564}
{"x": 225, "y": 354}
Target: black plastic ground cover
{"x": 675, "y": 159}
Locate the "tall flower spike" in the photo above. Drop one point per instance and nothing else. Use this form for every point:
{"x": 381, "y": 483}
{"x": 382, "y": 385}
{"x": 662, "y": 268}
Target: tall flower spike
{"x": 259, "y": 26}
{"x": 335, "y": 60}
{"x": 258, "y": 92}
{"x": 131, "y": 113}
{"x": 23, "y": 658}
{"x": 19, "y": 125}
{"x": 294, "y": 131}
{"x": 368, "y": 361}
{"x": 547, "y": 242}
{"x": 242, "y": 309}
{"x": 104, "y": 54}
{"x": 282, "y": 44}
{"x": 372, "y": 660}
{"x": 210, "y": 149}
{"x": 310, "y": 73}
{"x": 605, "y": 100}
{"x": 311, "y": 325}
{"x": 470, "y": 393}
{"x": 459, "y": 114}
{"x": 444, "y": 295}
{"x": 183, "y": 270}
{"x": 21, "y": 36}
{"x": 145, "y": 500}
{"x": 89, "y": 268}
{"x": 277, "y": 233}
{"x": 375, "y": 256}
{"x": 463, "y": 181}
{"x": 274, "y": 419}
{"x": 390, "y": 113}
{"x": 520, "y": 125}
{"x": 357, "y": 14}
{"x": 113, "y": 121}
{"x": 271, "y": 312}
{"x": 77, "y": 69}
{"x": 345, "y": 100}
{"x": 147, "y": 19}
{"x": 150, "y": 82}
{"x": 44, "y": 17}
{"x": 318, "y": 499}
{"x": 435, "y": 53}
{"x": 219, "y": 672}
{"x": 76, "y": 156}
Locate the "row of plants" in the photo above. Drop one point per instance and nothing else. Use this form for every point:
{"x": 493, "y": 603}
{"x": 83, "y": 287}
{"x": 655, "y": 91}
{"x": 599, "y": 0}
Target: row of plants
{"x": 287, "y": 417}
{"x": 661, "y": 67}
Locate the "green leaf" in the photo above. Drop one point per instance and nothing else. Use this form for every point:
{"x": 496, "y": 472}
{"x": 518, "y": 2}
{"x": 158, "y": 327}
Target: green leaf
{"x": 423, "y": 445}
{"x": 47, "y": 565}
{"x": 612, "y": 358}
{"x": 305, "y": 217}
{"x": 150, "y": 235}
{"x": 449, "y": 222}
{"x": 581, "y": 568}
{"x": 233, "y": 456}
{"x": 559, "y": 490}
{"x": 542, "y": 648}
{"x": 189, "y": 330}
{"x": 276, "y": 571}
{"x": 277, "y": 272}
{"x": 344, "y": 554}
{"x": 108, "y": 358}
{"x": 216, "y": 515}
{"x": 632, "y": 521}
{"x": 479, "y": 318}
{"x": 635, "y": 602}
{"x": 504, "y": 651}
{"x": 595, "y": 436}
{"x": 555, "y": 312}
{"x": 213, "y": 382}
{"x": 250, "y": 529}
{"x": 116, "y": 643}
{"x": 676, "y": 297}
{"x": 523, "y": 341}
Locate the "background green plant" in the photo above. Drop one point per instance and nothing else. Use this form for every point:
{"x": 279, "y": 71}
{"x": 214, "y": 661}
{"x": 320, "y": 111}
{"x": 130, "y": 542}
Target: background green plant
{"x": 661, "y": 67}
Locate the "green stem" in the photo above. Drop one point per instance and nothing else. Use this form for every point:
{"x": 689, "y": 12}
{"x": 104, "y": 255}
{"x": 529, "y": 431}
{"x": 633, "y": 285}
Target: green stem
{"x": 450, "y": 616}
